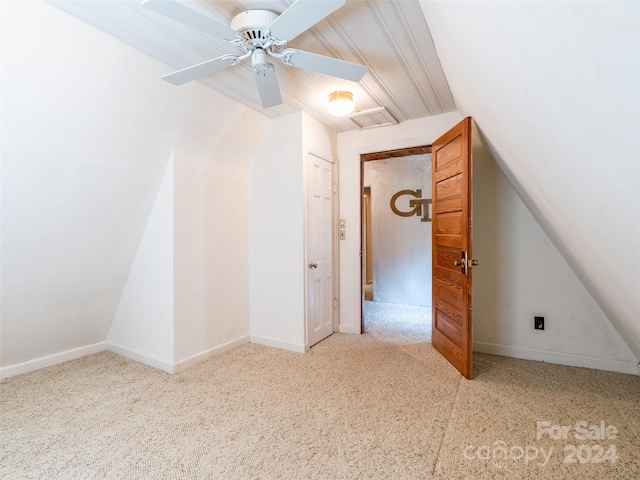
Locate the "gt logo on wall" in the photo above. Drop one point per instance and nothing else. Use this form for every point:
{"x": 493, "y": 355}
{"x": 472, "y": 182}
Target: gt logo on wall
{"x": 420, "y": 205}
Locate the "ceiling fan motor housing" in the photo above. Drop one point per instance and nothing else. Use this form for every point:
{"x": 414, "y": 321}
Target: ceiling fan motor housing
{"x": 252, "y": 24}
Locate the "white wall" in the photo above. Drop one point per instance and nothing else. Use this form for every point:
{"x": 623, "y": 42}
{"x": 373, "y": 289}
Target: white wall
{"x": 522, "y": 275}
{"x": 83, "y": 136}
{"x": 143, "y": 326}
{"x": 350, "y": 146}
{"x": 560, "y": 111}
{"x": 211, "y": 254}
{"x": 401, "y": 246}
{"x": 318, "y": 138}
{"x": 188, "y": 292}
{"x": 276, "y": 261}
{"x": 277, "y": 233}
{"x": 87, "y": 130}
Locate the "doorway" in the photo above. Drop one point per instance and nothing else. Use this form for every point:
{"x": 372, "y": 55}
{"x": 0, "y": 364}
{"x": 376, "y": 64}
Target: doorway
{"x": 319, "y": 249}
{"x": 396, "y": 236}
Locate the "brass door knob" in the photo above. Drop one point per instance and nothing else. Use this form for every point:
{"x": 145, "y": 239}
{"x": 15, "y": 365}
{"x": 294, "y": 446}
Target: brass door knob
{"x": 472, "y": 263}
{"x": 313, "y": 265}
{"x": 459, "y": 263}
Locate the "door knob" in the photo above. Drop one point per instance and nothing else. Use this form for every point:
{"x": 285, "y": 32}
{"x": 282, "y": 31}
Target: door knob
{"x": 313, "y": 265}
{"x": 472, "y": 263}
{"x": 459, "y": 263}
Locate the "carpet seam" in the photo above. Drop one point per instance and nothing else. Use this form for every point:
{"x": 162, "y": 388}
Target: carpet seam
{"x": 446, "y": 428}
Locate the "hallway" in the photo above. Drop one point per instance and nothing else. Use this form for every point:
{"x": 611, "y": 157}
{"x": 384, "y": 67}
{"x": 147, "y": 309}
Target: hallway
{"x": 401, "y": 323}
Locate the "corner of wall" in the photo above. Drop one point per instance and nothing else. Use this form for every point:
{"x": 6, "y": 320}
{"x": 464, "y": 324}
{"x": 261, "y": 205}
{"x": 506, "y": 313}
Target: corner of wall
{"x": 276, "y": 216}
{"x": 142, "y": 328}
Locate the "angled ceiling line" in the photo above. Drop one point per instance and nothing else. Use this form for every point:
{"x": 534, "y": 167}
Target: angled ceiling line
{"x": 413, "y": 44}
{"x": 84, "y": 14}
{"x": 234, "y": 95}
{"x": 196, "y": 49}
{"x": 402, "y": 61}
{"x": 157, "y": 21}
{"x": 180, "y": 63}
{"x": 180, "y": 40}
{"x": 135, "y": 41}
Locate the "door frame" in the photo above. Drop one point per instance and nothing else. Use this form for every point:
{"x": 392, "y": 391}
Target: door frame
{"x": 367, "y": 157}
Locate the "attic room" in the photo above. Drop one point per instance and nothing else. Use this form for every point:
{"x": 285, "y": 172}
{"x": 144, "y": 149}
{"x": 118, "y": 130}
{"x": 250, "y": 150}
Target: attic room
{"x": 155, "y": 238}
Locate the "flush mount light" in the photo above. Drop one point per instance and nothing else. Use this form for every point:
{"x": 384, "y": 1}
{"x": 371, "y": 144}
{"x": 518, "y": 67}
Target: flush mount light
{"x": 340, "y": 103}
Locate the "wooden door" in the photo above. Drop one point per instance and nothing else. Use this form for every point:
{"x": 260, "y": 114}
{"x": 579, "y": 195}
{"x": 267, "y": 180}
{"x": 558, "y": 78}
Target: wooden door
{"x": 452, "y": 260}
{"x": 319, "y": 249}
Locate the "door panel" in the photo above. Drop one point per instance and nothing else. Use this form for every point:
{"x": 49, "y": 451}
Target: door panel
{"x": 449, "y": 153}
{"x": 449, "y": 326}
{"x": 452, "y": 308}
{"x": 319, "y": 249}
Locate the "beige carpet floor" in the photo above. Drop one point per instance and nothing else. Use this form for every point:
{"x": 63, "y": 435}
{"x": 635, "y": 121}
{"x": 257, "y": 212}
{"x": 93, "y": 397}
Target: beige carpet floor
{"x": 384, "y": 405}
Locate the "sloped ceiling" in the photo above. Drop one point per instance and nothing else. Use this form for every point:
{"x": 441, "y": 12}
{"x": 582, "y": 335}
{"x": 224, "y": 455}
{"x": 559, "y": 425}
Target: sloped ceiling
{"x": 405, "y": 80}
{"x": 555, "y": 90}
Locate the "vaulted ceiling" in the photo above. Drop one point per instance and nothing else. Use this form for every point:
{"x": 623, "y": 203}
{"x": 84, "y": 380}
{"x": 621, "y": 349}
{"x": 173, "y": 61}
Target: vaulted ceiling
{"x": 405, "y": 79}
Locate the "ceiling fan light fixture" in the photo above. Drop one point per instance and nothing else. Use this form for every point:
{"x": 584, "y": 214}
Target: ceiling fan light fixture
{"x": 340, "y": 103}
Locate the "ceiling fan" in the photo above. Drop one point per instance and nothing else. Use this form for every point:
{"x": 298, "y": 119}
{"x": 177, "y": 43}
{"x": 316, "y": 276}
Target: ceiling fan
{"x": 260, "y": 34}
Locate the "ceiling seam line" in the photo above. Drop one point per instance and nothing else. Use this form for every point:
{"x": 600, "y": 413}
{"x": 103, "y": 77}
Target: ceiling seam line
{"x": 402, "y": 60}
{"x": 412, "y": 41}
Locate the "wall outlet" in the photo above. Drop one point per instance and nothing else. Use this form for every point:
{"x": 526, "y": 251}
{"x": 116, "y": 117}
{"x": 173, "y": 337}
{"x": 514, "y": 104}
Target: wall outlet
{"x": 538, "y": 323}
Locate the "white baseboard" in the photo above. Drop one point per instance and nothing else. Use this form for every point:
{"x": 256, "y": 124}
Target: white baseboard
{"x": 569, "y": 359}
{"x": 140, "y": 357}
{"x": 272, "y": 342}
{"x": 50, "y": 360}
{"x": 185, "y": 363}
{"x": 344, "y": 328}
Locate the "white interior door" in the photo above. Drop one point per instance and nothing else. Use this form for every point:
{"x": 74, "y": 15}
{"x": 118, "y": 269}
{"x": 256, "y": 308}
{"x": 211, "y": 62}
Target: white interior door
{"x": 319, "y": 249}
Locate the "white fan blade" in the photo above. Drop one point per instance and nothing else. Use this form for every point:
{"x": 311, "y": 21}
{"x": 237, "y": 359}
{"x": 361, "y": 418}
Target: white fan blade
{"x": 200, "y": 70}
{"x": 301, "y": 16}
{"x": 321, "y": 64}
{"x": 268, "y": 87}
{"x": 191, "y": 18}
